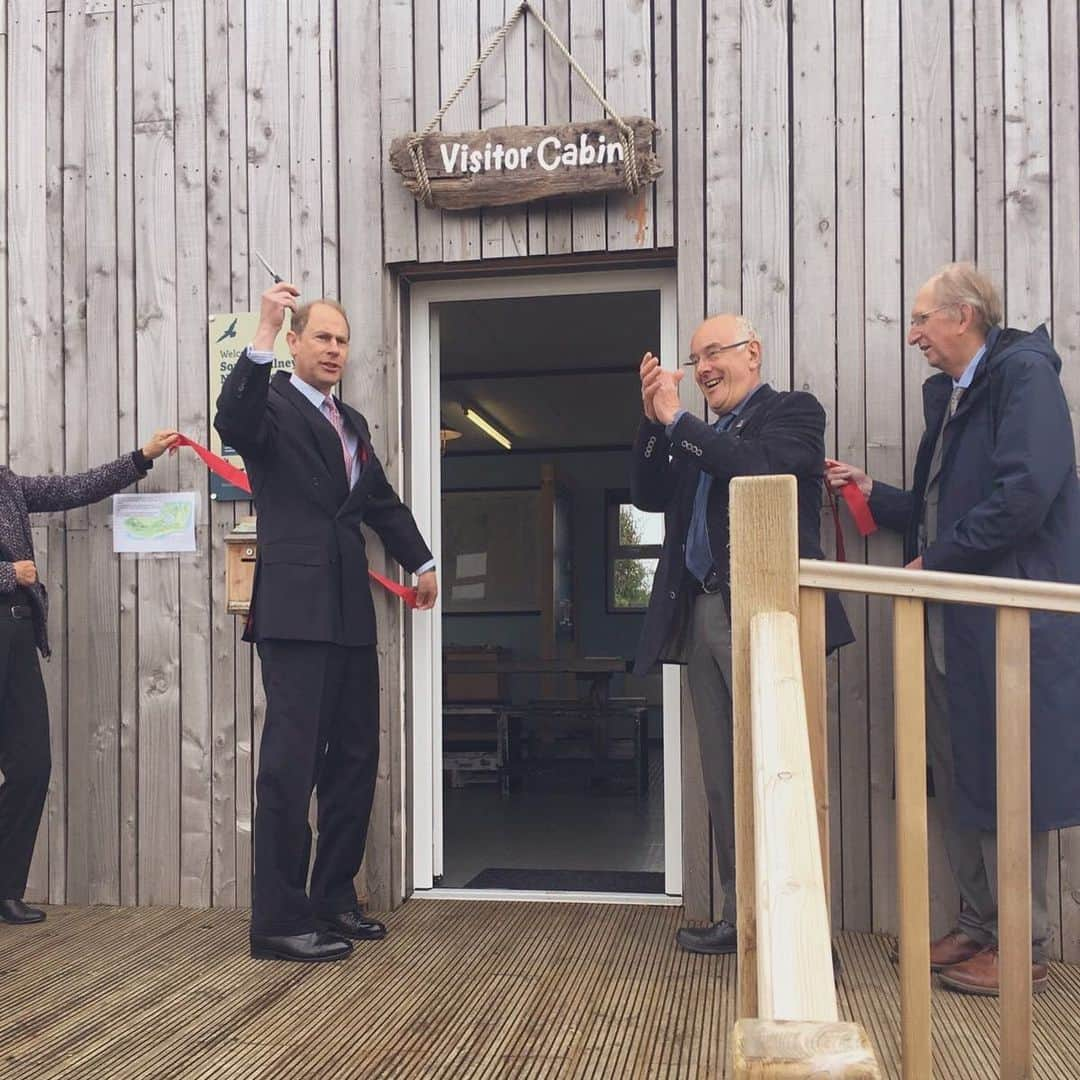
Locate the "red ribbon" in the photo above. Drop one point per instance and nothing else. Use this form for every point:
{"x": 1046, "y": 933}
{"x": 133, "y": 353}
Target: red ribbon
{"x": 220, "y": 467}
{"x": 856, "y": 504}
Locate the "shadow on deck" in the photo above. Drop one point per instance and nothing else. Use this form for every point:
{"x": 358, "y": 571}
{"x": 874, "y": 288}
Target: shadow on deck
{"x": 458, "y": 989}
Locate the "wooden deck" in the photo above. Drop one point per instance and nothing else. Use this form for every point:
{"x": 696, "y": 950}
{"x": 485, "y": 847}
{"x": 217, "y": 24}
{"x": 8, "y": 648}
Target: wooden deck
{"x": 458, "y": 989}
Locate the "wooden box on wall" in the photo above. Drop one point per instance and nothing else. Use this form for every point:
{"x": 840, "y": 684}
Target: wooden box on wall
{"x": 241, "y": 549}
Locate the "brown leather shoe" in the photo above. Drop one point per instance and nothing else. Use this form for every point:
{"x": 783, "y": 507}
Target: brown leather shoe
{"x": 979, "y": 975}
{"x": 954, "y": 948}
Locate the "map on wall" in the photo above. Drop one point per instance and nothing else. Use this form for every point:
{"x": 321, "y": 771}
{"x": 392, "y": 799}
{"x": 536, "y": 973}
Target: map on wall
{"x": 156, "y": 523}
{"x": 490, "y": 551}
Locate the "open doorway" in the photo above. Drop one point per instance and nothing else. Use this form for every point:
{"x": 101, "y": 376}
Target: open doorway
{"x": 545, "y": 764}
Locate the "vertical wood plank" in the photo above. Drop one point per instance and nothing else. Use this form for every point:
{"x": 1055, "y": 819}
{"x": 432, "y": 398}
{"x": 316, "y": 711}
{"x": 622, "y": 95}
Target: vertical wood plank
{"x": 126, "y": 431}
{"x": 196, "y": 653}
{"x": 766, "y": 206}
{"x": 1014, "y": 838}
{"x": 427, "y": 60}
{"x": 156, "y": 367}
{"x": 690, "y": 271}
{"x": 849, "y": 762}
{"x": 493, "y": 102}
{"x": 305, "y": 148}
{"x": 459, "y": 46}
{"x": 663, "y": 113}
{"x": 47, "y": 449}
{"x": 101, "y": 421}
{"x": 242, "y": 295}
{"x": 396, "y": 100}
{"x": 268, "y": 117}
{"x": 329, "y": 121}
{"x": 964, "y": 131}
{"x": 763, "y": 579}
{"x": 367, "y": 384}
{"x": 72, "y": 104}
{"x": 1065, "y": 214}
{"x": 1027, "y": 163}
{"x": 587, "y": 46}
{"x": 912, "y": 864}
{"x": 219, "y": 299}
{"x": 883, "y": 343}
{"x": 722, "y": 181}
{"x": 536, "y": 113}
{"x": 812, "y": 651}
{"x": 515, "y": 221}
{"x": 628, "y": 75}
{"x": 989, "y": 140}
{"x": 557, "y": 76}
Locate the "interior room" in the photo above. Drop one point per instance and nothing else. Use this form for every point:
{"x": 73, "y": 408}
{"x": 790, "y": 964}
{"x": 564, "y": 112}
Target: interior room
{"x": 552, "y": 750}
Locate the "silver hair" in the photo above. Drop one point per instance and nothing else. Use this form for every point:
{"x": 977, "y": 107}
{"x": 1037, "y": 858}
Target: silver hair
{"x": 962, "y": 283}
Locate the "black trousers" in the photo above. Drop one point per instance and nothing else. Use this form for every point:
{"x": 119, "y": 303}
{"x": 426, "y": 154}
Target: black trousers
{"x": 322, "y": 733}
{"x": 25, "y": 760}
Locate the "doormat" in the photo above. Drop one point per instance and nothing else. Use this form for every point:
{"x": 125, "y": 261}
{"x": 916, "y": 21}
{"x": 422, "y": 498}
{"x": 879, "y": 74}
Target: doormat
{"x": 616, "y": 881}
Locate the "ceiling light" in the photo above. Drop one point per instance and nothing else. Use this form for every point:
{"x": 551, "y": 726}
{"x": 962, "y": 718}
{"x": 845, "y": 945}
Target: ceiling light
{"x": 487, "y": 427}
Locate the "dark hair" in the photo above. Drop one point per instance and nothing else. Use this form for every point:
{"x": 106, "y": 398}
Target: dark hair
{"x": 303, "y": 313}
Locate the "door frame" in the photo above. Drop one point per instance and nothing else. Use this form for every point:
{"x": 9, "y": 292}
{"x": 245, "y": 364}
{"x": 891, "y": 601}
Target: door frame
{"x": 424, "y": 845}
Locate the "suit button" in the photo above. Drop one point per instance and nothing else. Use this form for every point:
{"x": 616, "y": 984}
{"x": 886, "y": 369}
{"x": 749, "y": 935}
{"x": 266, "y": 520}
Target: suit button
{"x": 671, "y": 596}
{"x": 314, "y": 481}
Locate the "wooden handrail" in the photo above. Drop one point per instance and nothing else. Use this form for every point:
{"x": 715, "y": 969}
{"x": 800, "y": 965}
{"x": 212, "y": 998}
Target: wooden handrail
{"x": 935, "y": 585}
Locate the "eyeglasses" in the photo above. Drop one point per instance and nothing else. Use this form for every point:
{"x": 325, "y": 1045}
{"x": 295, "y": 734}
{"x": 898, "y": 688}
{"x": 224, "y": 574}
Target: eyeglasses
{"x": 921, "y": 318}
{"x": 713, "y": 351}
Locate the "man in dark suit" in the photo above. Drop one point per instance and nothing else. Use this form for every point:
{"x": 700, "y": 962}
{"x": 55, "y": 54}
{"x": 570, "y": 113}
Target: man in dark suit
{"x": 315, "y": 479}
{"x": 683, "y": 466}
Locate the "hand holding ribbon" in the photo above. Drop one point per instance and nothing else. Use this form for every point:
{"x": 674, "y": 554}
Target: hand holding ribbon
{"x": 230, "y": 473}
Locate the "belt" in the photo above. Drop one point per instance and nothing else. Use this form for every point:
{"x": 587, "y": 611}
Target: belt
{"x": 19, "y": 611}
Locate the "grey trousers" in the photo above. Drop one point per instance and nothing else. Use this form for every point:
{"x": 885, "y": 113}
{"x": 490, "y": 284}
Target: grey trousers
{"x": 972, "y": 853}
{"x": 709, "y": 669}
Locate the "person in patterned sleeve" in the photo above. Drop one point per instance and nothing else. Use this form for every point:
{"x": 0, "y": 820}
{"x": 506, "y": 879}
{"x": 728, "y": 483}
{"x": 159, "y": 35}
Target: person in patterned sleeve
{"x": 24, "y": 609}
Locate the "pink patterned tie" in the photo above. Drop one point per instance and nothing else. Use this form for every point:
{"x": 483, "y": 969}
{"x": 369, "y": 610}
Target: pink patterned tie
{"x": 333, "y": 414}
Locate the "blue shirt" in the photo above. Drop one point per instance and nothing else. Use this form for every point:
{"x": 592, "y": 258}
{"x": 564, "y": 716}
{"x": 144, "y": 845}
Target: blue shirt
{"x": 317, "y": 397}
{"x": 969, "y": 372}
{"x": 699, "y": 556}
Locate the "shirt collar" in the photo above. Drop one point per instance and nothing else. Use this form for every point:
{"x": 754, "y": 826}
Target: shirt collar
{"x": 726, "y": 418}
{"x": 969, "y": 372}
{"x": 316, "y": 397}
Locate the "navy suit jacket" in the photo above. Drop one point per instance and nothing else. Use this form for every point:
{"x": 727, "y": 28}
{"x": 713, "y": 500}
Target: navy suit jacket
{"x": 311, "y": 575}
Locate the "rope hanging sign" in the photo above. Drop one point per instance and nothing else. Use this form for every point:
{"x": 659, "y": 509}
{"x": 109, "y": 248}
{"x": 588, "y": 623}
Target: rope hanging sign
{"x": 505, "y": 166}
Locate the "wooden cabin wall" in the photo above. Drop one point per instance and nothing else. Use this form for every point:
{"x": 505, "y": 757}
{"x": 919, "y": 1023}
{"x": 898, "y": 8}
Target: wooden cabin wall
{"x": 822, "y": 158}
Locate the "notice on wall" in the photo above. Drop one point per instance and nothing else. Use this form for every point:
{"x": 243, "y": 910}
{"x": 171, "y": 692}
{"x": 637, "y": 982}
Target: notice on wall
{"x": 230, "y": 335}
{"x": 162, "y": 523}
{"x": 471, "y": 565}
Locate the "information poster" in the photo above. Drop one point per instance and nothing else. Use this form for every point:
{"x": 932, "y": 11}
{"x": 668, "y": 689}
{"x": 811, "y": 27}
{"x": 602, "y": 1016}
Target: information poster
{"x": 162, "y": 523}
{"x": 230, "y": 335}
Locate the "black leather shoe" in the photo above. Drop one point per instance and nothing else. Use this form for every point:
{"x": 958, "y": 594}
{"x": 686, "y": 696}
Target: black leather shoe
{"x": 15, "y": 911}
{"x": 719, "y": 938}
{"x": 354, "y": 924}
{"x": 312, "y": 948}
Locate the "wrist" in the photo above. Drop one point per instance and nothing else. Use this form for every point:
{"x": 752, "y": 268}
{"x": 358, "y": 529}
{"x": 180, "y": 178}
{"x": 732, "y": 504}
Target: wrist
{"x": 264, "y": 338}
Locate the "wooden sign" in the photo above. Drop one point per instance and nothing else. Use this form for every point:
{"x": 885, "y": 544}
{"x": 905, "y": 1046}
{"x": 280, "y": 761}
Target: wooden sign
{"x": 505, "y": 166}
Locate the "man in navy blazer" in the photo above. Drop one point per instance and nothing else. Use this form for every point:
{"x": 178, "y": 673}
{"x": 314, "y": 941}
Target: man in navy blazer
{"x": 315, "y": 479}
{"x": 683, "y": 467}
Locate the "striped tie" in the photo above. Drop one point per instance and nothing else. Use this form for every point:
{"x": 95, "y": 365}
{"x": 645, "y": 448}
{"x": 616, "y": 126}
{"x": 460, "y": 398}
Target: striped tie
{"x": 333, "y": 414}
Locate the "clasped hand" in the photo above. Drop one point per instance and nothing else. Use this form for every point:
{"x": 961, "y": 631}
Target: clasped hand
{"x": 659, "y": 390}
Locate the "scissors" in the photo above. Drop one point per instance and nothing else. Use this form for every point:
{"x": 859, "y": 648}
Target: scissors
{"x": 276, "y": 277}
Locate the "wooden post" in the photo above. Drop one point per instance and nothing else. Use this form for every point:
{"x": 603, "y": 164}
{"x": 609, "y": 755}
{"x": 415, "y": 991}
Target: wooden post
{"x": 764, "y": 577}
{"x": 1014, "y": 838}
{"x": 790, "y": 1050}
{"x": 812, "y": 650}
{"x": 912, "y": 852}
{"x": 795, "y": 971}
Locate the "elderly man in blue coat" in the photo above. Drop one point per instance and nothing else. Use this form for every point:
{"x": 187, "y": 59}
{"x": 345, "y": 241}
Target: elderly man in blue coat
{"x": 994, "y": 492}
